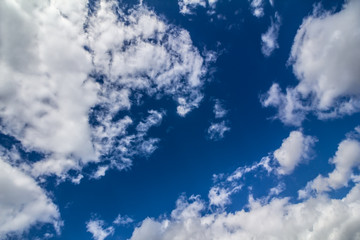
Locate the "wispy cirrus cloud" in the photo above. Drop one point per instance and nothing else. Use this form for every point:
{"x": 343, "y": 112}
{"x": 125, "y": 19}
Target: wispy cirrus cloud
{"x": 269, "y": 39}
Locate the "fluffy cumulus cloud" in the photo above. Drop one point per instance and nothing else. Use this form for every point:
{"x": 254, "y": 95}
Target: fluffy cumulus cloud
{"x": 325, "y": 58}
{"x": 96, "y": 228}
{"x": 269, "y": 38}
{"x": 346, "y": 160}
{"x": 294, "y": 149}
{"x": 23, "y": 203}
{"x": 316, "y": 218}
{"x": 67, "y": 94}
{"x": 270, "y": 217}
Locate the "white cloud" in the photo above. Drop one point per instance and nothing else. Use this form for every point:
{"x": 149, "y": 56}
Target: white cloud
{"x": 216, "y": 131}
{"x": 153, "y": 119}
{"x": 290, "y": 109}
{"x": 50, "y": 98}
{"x": 219, "y": 109}
{"x": 324, "y": 56}
{"x": 316, "y": 218}
{"x": 96, "y": 228}
{"x": 219, "y": 196}
{"x": 346, "y": 159}
{"x": 270, "y": 217}
{"x": 294, "y": 149}
{"x": 189, "y": 6}
{"x": 269, "y": 38}
{"x": 122, "y": 220}
{"x": 23, "y": 203}
{"x": 257, "y": 8}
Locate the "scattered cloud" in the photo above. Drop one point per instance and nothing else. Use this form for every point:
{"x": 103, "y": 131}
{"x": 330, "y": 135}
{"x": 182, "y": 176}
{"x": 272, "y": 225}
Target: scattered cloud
{"x": 96, "y": 228}
{"x": 257, "y": 8}
{"x": 219, "y": 127}
{"x": 189, "y": 6}
{"x": 216, "y": 131}
{"x": 317, "y": 217}
{"x": 323, "y": 57}
{"x": 269, "y": 38}
{"x": 122, "y": 220}
{"x": 219, "y": 109}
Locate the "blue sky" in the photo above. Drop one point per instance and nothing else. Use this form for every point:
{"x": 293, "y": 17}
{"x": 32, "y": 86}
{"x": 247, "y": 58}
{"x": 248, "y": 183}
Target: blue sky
{"x": 181, "y": 119}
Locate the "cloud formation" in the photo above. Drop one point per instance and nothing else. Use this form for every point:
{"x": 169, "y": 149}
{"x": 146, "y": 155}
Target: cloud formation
{"x": 23, "y": 203}
{"x": 257, "y": 8}
{"x": 66, "y": 104}
{"x": 294, "y": 149}
{"x": 219, "y": 126}
{"x": 346, "y": 160}
{"x": 269, "y": 38}
{"x": 71, "y": 78}
{"x": 316, "y": 217}
{"x": 96, "y": 228}
{"x": 189, "y": 6}
{"x": 324, "y": 57}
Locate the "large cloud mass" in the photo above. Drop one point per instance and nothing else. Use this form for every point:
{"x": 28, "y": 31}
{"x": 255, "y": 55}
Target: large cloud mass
{"x": 325, "y": 57}
{"x": 69, "y": 72}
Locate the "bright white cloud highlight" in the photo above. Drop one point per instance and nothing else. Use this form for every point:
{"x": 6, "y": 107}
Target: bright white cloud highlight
{"x": 324, "y": 57}
{"x": 269, "y": 38}
{"x": 294, "y": 149}
{"x": 96, "y": 228}
{"x": 23, "y": 203}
